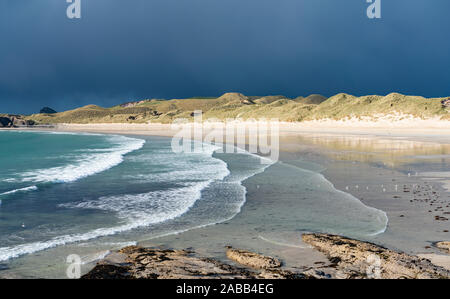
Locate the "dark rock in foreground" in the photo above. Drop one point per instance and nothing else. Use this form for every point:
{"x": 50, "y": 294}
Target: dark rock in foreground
{"x": 150, "y": 263}
{"x": 105, "y": 271}
{"x": 350, "y": 259}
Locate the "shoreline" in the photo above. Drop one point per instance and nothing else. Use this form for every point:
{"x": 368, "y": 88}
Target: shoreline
{"x": 408, "y": 134}
{"x": 348, "y": 259}
{"x": 383, "y": 125}
{"x": 425, "y": 135}
{"x": 308, "y": 254}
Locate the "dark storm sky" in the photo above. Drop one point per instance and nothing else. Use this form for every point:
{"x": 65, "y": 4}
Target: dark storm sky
{"x": 124, "y": 50}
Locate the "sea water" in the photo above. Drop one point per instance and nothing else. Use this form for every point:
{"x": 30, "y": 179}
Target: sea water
{"x": 66, "y": 193}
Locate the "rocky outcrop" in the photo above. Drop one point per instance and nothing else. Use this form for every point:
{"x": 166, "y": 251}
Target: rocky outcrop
{"x": 5, "y": 122}
{"x": 446, "y": 103}
{"x": 18, "y": 121}
{"x": 10, "y": 121}
{"x": 150, "y": 263}
{"x": 356, "y": 259}
{"x": 444, "y": 246}
{"x": 252, "y": 260}
{"x": 350, "y": 259}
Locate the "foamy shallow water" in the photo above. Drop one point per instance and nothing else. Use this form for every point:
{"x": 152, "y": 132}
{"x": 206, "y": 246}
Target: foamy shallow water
{"x": 87, "y": 194}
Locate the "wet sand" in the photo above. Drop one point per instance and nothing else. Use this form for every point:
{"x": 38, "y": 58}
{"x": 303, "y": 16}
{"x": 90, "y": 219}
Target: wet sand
{"x": 376, "y": 177}
{"x": 391, "y": 174}
{"x": 402, "y": 174}
{"x": 399, "y": 171}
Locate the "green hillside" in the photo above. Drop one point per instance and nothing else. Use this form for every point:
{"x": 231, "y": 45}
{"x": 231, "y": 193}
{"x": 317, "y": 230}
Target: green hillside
{"x": 235, "y": 105}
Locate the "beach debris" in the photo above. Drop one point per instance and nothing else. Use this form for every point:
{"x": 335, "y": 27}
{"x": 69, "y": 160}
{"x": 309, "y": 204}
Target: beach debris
{"x": 253, "y": 260}
{"x": 357, "y": 259}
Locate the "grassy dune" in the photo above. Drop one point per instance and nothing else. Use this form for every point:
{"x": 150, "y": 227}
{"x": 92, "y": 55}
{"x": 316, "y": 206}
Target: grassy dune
{"x": 235, "y": 105}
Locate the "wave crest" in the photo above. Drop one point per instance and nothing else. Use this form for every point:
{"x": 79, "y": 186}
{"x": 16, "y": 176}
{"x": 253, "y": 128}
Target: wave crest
{"x": 87, "y": 164}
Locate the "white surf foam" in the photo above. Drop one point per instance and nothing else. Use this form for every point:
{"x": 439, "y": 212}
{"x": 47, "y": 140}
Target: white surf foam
{"x": 136, "y": 210}
{"x": 26, "y": 189}
{"x": 236, "y": 180}
{"x": 147, "y": 208}
{"x": 87, "y": 164}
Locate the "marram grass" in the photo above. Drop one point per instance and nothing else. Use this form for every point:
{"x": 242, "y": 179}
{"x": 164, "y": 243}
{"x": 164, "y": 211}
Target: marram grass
{"x": 235, "y": 105}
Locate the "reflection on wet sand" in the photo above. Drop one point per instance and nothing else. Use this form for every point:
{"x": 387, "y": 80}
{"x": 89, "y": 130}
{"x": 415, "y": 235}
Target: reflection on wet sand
{"x": 392, "y": 152}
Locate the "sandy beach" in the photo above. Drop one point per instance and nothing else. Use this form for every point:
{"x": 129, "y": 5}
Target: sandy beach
{"x": 402, "y": 172}
{"x": 231, "y": 140}
{"x": 389, "y": 169}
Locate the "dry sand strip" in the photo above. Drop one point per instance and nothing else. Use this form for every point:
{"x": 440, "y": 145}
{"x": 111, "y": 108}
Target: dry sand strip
{"x": 383, "y": 125}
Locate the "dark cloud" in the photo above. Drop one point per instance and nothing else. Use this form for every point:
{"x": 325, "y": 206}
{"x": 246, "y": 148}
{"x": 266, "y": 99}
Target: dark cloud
{"x": 122, "y": 50}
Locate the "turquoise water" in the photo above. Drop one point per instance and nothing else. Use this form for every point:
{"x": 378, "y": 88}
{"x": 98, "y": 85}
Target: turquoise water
{"x": 58, "y": 188}
{"x": 63, "y": 192}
